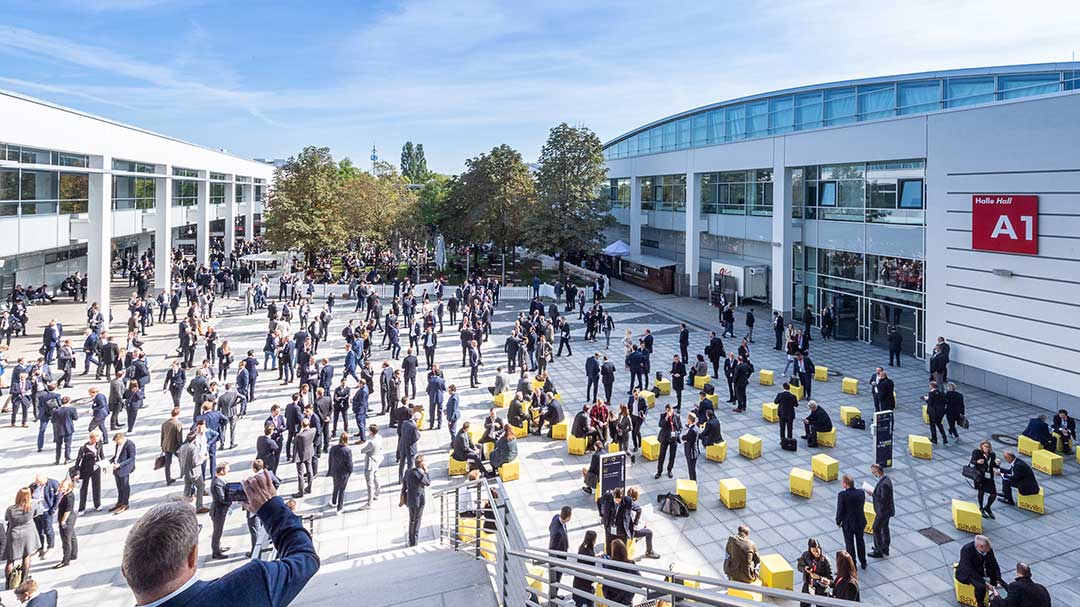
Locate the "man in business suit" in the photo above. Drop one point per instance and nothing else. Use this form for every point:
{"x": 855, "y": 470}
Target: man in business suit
{"x": 429, "y": 342}
{"x": 884, "y": 392}
{"x": 786, "y": 403}
{"x": 715, "y": 352}
{"x": 1023, "y": 591}
{"x": 198, "y": 388}
{"x": 743, "y": 371}
{"x": 408, "y": 439}
{"x": 1019, "y": 476}
{"x": 340, "y": 468}
{"x": 413, "y": 489}
{"x": 453, "y": 410}
{"x": 684, "y": 342}
{"x": 63, "y": 422}
{"x": 305, "y": 454}
{"x": 436, "y": 391}
{"x": 123, "y": 464}
{"x": 1038, "y": 430}
{"x": 592, "y": 376}
{"x": 219, "y": 509}
{"x": 884, "y": 509}
{"x": 558, "y": 539}
{"x": 817, "y": 421}
{"x": 1066, "y": 427}
{"x": 154, "y": 576}
{"x": 191, "y": 459}
{"x": 293, "y": 413}
{"x": 730, "y": 364}
{"x": 668, "y": 436}
{"x": 251, "y": 365}
{"x": 850, "y": 518}
{"x": 778, "y": 330}
{"x": 804, "y": 370}
{"x": 607, "y": 378}
{"x": 979, "y": 567}
{"x": 45, "y": 491}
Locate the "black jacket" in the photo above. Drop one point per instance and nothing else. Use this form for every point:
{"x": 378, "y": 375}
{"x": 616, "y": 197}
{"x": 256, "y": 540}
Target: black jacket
{"x": 973, "y": 565}
{"x": 340, "y": 462}
{"x": 786, "y": 404}
{"x": 883, "y": 497}
{"x": 1022, "y": 592}
{"x": 849, "y": 510}
{"x": 1022, "y": 478}
{"x": 669, "y": 431}
{"x": 581, "y": 425}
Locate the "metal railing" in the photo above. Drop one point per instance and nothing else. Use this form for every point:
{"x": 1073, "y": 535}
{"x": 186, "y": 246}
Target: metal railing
{"x": 477, "y": 518}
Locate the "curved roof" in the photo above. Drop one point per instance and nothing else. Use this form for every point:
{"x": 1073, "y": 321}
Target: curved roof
{"x": 1013, "y": 85}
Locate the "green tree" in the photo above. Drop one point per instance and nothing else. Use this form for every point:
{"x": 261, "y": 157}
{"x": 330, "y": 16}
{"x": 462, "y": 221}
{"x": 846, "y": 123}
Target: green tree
{"x": 569, "y": 215}
{"x": 490, "y": 200}
{"x": 420, "y": 171}
{"x": 347, "y": 170}
{"x": 408, "y": 155}
{"x": 386, "y": 204}
{"x": 432, "y": 200}
{"x": 305, "y": 211}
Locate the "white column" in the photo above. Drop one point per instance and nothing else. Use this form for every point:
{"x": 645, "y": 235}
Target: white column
{"x": 693, "y": 234}
{"x": 99, "y": 246}
{"x": 782, "y": 233}
{"x": 230, "y": 218}
{"x": 635, "y": 215}
{"x": 249, "y": 212}
{"x": 163, "y": 231}
{"x": 202, "y": 223}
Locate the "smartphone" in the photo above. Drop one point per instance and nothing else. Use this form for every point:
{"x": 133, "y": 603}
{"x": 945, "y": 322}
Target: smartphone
{"x": 234, "y": 492}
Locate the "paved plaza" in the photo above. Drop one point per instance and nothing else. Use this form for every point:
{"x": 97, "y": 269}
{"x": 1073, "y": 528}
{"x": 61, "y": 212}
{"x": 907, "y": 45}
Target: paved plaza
{"x": 364, "y": 550}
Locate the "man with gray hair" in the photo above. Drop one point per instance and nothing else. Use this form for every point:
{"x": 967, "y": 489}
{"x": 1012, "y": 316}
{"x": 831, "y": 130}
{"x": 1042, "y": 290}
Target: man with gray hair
{"x": 979, "y": 567}
{"x": 161, "y": 555}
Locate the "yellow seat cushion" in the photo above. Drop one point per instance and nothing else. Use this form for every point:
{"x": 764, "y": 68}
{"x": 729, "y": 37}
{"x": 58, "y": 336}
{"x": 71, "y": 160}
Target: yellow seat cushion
{"x": 457, "y": 467}
{"x": 826, "y": 468}
{"x": 503, "y": 398}
{"x": 714, "y": 398}
{"x": 766, "y": 377}
{"x": 798, "y": 391}
{"x": 650, "y": 448}
{"x": 1032, "y": 503}
{"x": 925, "y": 415}
{"x": 965, "y": 593}
{"x": 649, "y": 397}
{"x": 664, "y": 386}
{"x": 519, "y": 432}
{"x": 701, "y": 380}
{"x": 732, "y": 493}
{"x": 920, "y": 446}
{"x": 560, "y": 430}
{"x": 746, "y": 594}
{"x": 717, "y": 452}
{"x": 769, "y": 412}
{"x": 776, "y": 572}
{"x": 821, "y": 373}
{"x": 966, "y": 516}
{"x": 682, "y": 568}
{"x": 800, "y": 483}
{"x": 687, "y": 489}
{"x": 750, "y": 446}
{"x": 488, "y": 448}
{"x": 827, "y": 439}
{"x": 850, "y": 385}
{"x": 510, "y": 471}
{"x": 849, "y": 413}
{"x": 1027, "y": 446}
{"x": 476, "y": 432}
{"x": 869, "y": 515}
{"x": 1047, "y": 462}
{"x": 575, "y": 445}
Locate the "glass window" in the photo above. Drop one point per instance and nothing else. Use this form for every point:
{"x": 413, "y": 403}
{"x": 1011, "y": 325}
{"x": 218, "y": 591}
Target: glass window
{"x": 736, "y": 123}
{"x": 132, "y": 167}
{"x": 72, "y": 160}
{"x": 839, "y": 106}
{"x": 911, "y": 194}
{"x": 853, "y": 193}
{"x": 781, "y": 114}
{"x": 218, "y": 176}
{"x": 632, "y": 146}
{"x": 968, "y": 91}
{"x": 1071, "y": 80}
{"x": 1024, "y": 85}
{"x": 808, "y": 111}
{"x": 217, "y": 193}
{"x": 180, "y": 172}
{"x": 896, "y": 272}
{"x": 684, "y": 133}
{"x": 32, "y": 156}
{"x": 882, "y": 194}
{"x": 9, "y": 184}
{"x": 74, "y": 186}
{"x": 757, "y": 119}
{"x": 185, "y": 193}
{"x": 38, "y": 185}
{"x": 877, "y": 101}
{"x": 716, "y": 126}
{"x": 827, "y": 194}
{"x": 842, "y": 264}
{"x": 700, "y": 130}
{"x": 655, "y": 140}
{"x": 917, "y": 97}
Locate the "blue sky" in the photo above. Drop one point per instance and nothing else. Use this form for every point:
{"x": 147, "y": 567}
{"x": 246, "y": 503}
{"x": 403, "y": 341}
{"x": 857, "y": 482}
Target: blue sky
{"x": 462, "y": 76}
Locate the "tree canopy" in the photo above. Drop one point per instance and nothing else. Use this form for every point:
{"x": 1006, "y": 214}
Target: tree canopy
{"x": 413, "y": 164}
{"x": 305, "y": 211}
{"x": 490, "y": 200}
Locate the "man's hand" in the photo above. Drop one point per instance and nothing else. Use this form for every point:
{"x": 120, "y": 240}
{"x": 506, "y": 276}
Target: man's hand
{"x": 259, "y": 489}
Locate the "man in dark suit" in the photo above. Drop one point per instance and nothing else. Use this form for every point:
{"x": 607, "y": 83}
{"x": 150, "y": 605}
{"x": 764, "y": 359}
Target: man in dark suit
{"x": 267, "y": 449}
{"x": 684, "y": 341}
{"x": 1038, "y": 430}
{"x": 408, "y": 439}
{"x": 63, "y": 421}
{"x": 884, "y": 510}
{"x": 305, "y": 455}
{"x": 251, "y": 365}
{"x": 804, "y": 370}
{"x": 978, "y": 566}
{"x": 896, "y": 344}
{"x": 340, "y": 468}
{"x": 413, "y": 489}
{"x": 850, "y": 518}
{"x": 715, "y": 352}
{"x": 436, "y": 391}
{"x": 123, "y": 464}
{"x": 592, "y": 376}
{"x": 636, "y": 362}
{"x": 408, "y": 372}
{"x": 198, "y": 388}
{"x": 219, "y": 509}
{"x": 786, "y": 403}
{"x": 668, "y": 436}
{"x": 884, "y": 392}
{"x": 1065, "y": 426}
{"x": 293, "y": 414}
{"x": 607, "y": 378}
{"x": 274, "y": 583}
{"x": 730, "y": 365}
{"x": 326, "y": 376}
{"x": 558, "y": 538}
{"x": 1019, "y": 476}
{"x": 712, "y": 434}
{"x": 1022, "y": 592}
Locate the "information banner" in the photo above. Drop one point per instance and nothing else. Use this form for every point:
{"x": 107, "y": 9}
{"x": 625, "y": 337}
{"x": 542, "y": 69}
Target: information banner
{"x": 1005, "y": 223}
{"x": 612, "y": 472}
{"x": 883, "y": 438}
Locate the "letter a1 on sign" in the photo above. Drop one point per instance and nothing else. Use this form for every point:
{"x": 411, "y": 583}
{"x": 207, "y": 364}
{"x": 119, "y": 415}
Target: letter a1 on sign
{"x": 1005, "y": 223}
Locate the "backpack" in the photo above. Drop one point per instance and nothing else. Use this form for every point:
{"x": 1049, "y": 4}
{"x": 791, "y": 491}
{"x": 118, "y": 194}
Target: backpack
{"x": 672, "y": 504}
{"x": 789, "y": 444}
{"x": 858, "y": 423}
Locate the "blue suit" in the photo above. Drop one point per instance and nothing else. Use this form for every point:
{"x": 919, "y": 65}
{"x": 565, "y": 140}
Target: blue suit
{"x": 453, "y": 414}
{"x": 360, "y": 408}
{"x": 272, "y": 583}
{"x": 100, "y": 411}
{"x": 350, "y": 364}
{"x": 436, "y": 389}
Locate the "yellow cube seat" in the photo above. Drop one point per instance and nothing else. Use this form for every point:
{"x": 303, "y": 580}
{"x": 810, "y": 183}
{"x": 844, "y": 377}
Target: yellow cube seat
{"x": 798, "y": 391}
{"x": 966, "y": 516}
{"x": 849, "y": 413}
{"x": 684, "y": 569}
{"x": 1047, "y": 462}
{"x": 613, "y": 448}
{"x": 732, "y": 493}
{"x": 827, "y": 439}
{"x": 965, "y": 593}
{"x": 1032, "y": 503}
{"x": 850, "y": 385}
{"x": 925, "y": 415}
{"x": 650, "y": 448}
{"x": 765, "y": 377}
{"x": 687, "y": 489}
{"x": 518, "y": 431}
{"x": 488, "y": 448}
{"x": 714, "y": 398}
{"x": 487, "y": 545}
{"x": 770, "y": 412}
{"x": 534, "y": 578}
{"x": 510, "y": 471}
{"x": 701, "y": 380}
{"x": 800, "y": 483}
{"x": 476, "y": 432}
{"x": 920, "y": 446}
{"x": 717, "y": 452}
{"x": 821, "y": 373}
{"x": 749, "y": 446}
{"x": 649, "y": 397}
{"x": 575, "y": 445}
{"x": 458, "y": 467}
{"x": 1059, "y": 444}
{"x": 560, "y": 430}
{"x": 746, "y": 594}
{"x": 663, "y": 386}
{"x": 537, "y": 384}
{"x": 776, "y": 572}
{"x": 1078, "y": 454}
{"x": 869, "y": 515}
{"x": 420, "y": 422}
{"x": 503, "y": 398}
{"x": 1027, "y": 446}
{"x": 824, "y": 467}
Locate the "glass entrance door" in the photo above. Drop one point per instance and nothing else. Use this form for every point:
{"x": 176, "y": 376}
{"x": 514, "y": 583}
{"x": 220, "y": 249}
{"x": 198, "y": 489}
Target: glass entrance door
{"x": 847, "y": 314}
{"x": 908, "y": 321}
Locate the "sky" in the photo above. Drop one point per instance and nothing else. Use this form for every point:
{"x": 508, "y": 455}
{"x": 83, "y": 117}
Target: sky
{"x": 266, "y": 79}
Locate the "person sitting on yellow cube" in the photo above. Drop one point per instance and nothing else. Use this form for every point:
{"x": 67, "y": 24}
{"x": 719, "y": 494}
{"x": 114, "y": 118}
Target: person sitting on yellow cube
{"x": 801, "y": 482}
{"x": 818, "y": 425}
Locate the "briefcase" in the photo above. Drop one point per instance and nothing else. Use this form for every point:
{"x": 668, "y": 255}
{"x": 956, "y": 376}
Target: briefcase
{"x": 789, "y": 444}
{"x": 159, "y": 462}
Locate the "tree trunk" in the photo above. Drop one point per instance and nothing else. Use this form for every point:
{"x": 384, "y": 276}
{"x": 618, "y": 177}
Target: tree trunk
{"x": 562, "y": 260}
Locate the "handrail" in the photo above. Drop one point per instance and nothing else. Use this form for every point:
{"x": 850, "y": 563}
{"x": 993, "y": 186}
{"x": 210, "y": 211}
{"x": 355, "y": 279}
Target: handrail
{"x": 486, "y": 527}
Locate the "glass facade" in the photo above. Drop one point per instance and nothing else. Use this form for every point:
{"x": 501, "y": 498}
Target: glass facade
{"x": 181, "y": 172}
{"x": 185, "y": 193}
{"x": 28, "y": 155}
{"x": 737, "y": 192}
{"x": 663, "y": 192}
{"x": 832, "y": 106}
{"x": 25, "y": 192}
{"x": 619, "y": 193}
{"x": 134, "y": 192}
{"x": 132, "y": 167}
{"x": 876, "y": 192}
{"x": 217, "y": 193}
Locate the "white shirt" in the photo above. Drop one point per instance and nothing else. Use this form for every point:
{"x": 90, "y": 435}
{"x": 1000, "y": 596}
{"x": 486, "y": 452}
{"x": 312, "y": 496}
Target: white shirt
{"x": 172, "y": 594}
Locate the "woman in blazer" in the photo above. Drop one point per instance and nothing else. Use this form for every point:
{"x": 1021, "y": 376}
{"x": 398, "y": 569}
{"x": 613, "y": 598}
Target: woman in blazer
{"x": 86, "y": 467}
{"x": 984, "y": 461}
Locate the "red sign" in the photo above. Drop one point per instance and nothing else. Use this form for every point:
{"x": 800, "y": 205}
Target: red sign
{"x": 1005, "y": 223}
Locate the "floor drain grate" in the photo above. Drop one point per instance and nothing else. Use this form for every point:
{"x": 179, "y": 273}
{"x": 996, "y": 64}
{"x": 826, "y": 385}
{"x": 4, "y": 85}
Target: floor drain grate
{"x": 935, "y": 536}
